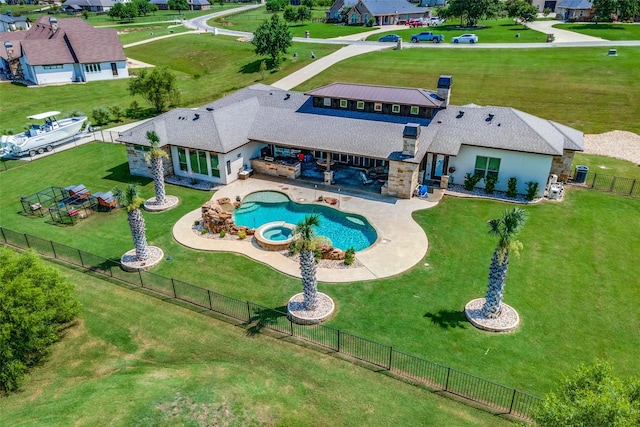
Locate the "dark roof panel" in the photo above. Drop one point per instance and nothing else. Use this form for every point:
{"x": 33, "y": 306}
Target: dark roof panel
{"x": 373, "y": 93}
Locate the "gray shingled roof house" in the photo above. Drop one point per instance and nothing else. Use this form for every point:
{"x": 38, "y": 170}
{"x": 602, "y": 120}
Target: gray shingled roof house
{"x": 411, "y": 134}
{"x": 63, "y": 51}
{"x": 193, "y": 4}
{"x": 88, "y": 5}
{"x": 575, "y": 9}
{"x": 384, "y": 12}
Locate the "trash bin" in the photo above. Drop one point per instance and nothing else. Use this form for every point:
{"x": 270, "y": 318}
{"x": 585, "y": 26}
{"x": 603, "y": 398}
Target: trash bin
{"x": 580, "y": 175}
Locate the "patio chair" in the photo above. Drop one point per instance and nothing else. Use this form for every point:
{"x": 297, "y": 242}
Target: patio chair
{"x": 422, "y": 191}
{"x": 365, "y": 180}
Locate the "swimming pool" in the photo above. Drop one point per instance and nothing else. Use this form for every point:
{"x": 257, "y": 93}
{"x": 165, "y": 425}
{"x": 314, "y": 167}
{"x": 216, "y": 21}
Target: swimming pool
{"x": 345, "y": 230}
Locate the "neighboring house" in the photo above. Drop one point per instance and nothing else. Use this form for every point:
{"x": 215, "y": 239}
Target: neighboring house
{"x": 433, "y": 3}
{"x": 579, "y": 10}
{"x": 193, "y": 4}
{"x": 541, "y": 5}
{"x": 412, "y": 134}
{"x": 72, "y": 6}
{"x": 384, "y": 12}
{"x": 10, "y": 23}
{"x": 62, "y": 51}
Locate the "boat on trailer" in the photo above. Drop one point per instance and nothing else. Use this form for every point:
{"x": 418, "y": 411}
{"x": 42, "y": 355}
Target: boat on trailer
{"x": 42, "y": 137}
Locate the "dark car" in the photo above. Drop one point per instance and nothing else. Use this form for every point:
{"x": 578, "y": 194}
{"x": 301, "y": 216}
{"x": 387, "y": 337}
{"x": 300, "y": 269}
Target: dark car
{"x": 389, "y": 38}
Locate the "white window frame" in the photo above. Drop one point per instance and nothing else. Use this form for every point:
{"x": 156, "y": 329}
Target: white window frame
{"x": 360, "y": 105}
{"x": 377, "y": 106}
{"x": 415, "y": 110}
{"x": 326, "y": 102}
{"x": 343, "y": 103}
{"x": 395, "y": 108}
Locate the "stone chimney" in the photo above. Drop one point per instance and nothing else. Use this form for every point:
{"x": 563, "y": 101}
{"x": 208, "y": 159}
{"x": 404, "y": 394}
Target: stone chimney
{"x": 9, "y": 48}
{"x": 54, "y": 24}
{"x": 444, "y": 89}
{"x": 410, "y": 137}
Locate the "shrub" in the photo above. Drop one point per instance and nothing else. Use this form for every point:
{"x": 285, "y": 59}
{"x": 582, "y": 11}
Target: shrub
{"x": 317, "y": 253}
{"x": 320, "y": 198}
{"x": 242, "y": 234}
{"x": 196, "y": 222}
{"x": 117, "y": 112}
{"x": 203, "y": 231}
{"x": 238, "y": 198}
{"x": 470, "y": 181}
{"x": 134, "y": 110}
{"x": 532, "y": 191}
{"x": 490, "y": 184}
{"x": 222, "y": 234}
{"x": 100, "y": 116}
{"x": 293, "y": 249}
{"x": 512, "y": 187}
{"x": 349, "y": 256}
{"x": 370, "y": 22}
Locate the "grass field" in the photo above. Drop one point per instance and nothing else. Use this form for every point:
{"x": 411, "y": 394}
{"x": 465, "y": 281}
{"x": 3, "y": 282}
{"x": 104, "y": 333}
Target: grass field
{"x": 134, "y": 360}
{"x": 573, "y": 284}
{"x": 604, "y": 30}
{"x": 490, "y": 31}
{"x": 608, "y": 165}
{"x": 132, "y": 34}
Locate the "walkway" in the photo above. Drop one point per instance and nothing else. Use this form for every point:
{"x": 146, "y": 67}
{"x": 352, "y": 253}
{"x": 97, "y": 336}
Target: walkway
{"x": 561, "y": 36}
{"x": 401, "y": 243}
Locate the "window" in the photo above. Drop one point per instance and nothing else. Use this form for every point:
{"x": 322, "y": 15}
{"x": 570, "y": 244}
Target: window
{"x": 114, "y": 69}
{"x": 52, "y": 67}
{"x": 198, "y": 160}
{"x": 228, "y": 167}
{"x": 327, "y": 102}
{"x": 214, "y": 165}
{"x": 141, "y": 148}
{"x": 354, "y": 18}
{"x": 182, "y": 159}
{"x": 92, "y": 68}
{"x": 360, "y": 105}
{"x": 395, "y": 108}
{"x": 487, "y": 166}
{"x": 343, "y": 103}
{"x": 415, "y": 110}
{"x": 377, "y": 106}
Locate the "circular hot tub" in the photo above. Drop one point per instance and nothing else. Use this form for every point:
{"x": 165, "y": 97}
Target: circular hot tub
{"x": 275, "y": 236}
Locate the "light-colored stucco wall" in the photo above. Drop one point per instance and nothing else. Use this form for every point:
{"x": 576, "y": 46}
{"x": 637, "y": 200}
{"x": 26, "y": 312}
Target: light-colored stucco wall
{"x": 39, "y": 75}
{"x": 524, "y": 166}
{"x": 105, "y": 73}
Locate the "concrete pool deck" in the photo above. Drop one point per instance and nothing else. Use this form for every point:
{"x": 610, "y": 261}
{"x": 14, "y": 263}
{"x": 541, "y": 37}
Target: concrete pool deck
{"x": 401, "y": 243}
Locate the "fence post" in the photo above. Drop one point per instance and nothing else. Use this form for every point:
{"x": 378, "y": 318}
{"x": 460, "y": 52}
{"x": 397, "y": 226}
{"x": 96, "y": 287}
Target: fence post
{"x": 80, "y": 256}
{"x": 26, "y": 239}
{"x": 633, "y": 184}
{"x": 209, "y": 295}
{"x": 390, "y": 358}
{"x": 248, "y": 312}
{"x": 53, "y": 248}
{"x": 593, "y": 182}
{"x": 173, "y": 285}
{"x": 512, "y": 399}
{"x": 613, "y": 183}
{"x": 446, "y": 385}
{"x": 338, "y": 340}
{"x": 291, "y": 326}
{"x": 140, "y": 276}
{"x": 3, "y": 236}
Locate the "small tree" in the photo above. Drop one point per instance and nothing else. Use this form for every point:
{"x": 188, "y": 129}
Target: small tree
{"x": 178, "y": 5}
{"x": 490, "y": 183}
{"x": 532, "y": 191}
{"x": 592, "y": 397}
{"x": 117, "y": 112}
{"x": 134, "y": 109}
{"x": 100, "y": 116}
{"x": 154, "y": 158}
{"x": 304, "y": 13}
{"x": 158, "y": 87}
{"x": 116, "y": 11}
{"x": 628, "y": 10}
{"x": 512, "y": 187}
{"x": 263, "y": 69}
{"x": 272, "y": 38}
{"x": 546, "y": 12}
{"x": 276, "y": 5}
{"x": 290, "y": 14}
{"x": 85, "y": 14}
{"x": 130, "y": 199}
{"x": 603, "y": 9}
{"x": 470, "y": 181}
{"x": 36, "y": 302}
{"x": 308, "y": 3}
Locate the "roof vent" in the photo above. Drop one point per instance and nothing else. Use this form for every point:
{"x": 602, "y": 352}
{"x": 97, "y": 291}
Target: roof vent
{"x": 270, "y": 93}
{"x": 445, "y": 82}
{"x": 197, "y": 116}
{"x": 488, "y": 119}
{"x": 287, "y": 96}
{"x": 209, "y": 108}
{"x": 439, "y": 121}
{"x": 411, "y": 130}
{"x": 460, "y": 114}
{"x": 54, "y": 24}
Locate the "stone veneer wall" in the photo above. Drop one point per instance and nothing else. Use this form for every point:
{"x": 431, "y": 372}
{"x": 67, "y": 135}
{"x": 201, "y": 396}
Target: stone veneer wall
{"x": 403, "y": 179}
{"x": 276, "y": 168}
{"x": 139, "y": 167}
{"x": 561, "y": 165}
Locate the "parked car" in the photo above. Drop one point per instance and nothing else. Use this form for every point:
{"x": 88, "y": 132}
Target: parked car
{"x": 434, "y": 20}
{"x": 427, "y": 36}
{"x": 389, "y": 38}
{"x": 465, "y": 38}
{"x": 413, "y": 23}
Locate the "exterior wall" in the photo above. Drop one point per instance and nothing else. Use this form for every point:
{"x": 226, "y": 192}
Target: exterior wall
{"x": 403, "y": 179}
{"x": 41, "y": 76}
{"x": 369, "y": 107}
{"x": 561, "y": 165}
{"x": 275, "y": 168}
{"x": 138, "y": 165}
{"x": 105, "y": 73}
{"x": 524, "y": 166}
{"x": 69, "y": 73}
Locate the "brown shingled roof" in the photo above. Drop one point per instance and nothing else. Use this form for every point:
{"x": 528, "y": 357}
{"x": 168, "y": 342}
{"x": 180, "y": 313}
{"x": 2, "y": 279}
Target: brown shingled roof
{"x": 373, "y": 93}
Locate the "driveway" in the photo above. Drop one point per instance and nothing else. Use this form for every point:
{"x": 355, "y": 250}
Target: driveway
{"x": 561, "y": 36}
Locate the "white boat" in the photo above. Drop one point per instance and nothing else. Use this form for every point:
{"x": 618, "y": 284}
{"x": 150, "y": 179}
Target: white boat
{"x": 41, "y": 137}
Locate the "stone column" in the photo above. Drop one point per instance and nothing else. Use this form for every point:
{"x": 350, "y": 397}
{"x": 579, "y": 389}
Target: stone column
{"x": 328, "y": 177}
{"x": 444, "y": 181}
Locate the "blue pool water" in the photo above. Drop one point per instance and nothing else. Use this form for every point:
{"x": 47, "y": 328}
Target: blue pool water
{"x": 343, "y": 229}
{"x": 277, "y": 233}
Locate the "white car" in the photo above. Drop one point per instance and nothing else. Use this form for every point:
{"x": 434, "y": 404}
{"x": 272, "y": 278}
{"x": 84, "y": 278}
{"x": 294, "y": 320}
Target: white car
{"x": 465, "y": 38}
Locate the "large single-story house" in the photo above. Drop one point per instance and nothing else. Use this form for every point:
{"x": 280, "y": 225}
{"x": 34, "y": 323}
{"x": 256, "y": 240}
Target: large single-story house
{"x": 384, "y": 12}
{"x": 62, "y": 51}
{"x": 71, "y": 6}
{"x": 193, "y": 4}
{"x": 14, "y": 23}
{"x": 412, "y": 135}
{"x": 580, "y": 10}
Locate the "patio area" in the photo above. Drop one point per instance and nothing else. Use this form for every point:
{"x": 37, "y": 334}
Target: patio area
{"x": 401, "y": 242}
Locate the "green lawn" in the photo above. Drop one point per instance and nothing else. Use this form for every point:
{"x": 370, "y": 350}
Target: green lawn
{"x": 573, "y": 284}
{"x": 251, "y": 20}
{"x": 607, "y": 165}
{"x": 134, "y": 360}
{"x": 132, "y": 34}
{"x": 605, "y": 30}
{"x": 491, "y": 31}
{"x": 562, "y": 84}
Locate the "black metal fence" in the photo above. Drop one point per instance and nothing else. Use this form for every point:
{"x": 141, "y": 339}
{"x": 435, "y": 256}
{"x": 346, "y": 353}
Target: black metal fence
{"x": 498, "y": 398}
{"x": 612, "y": 184}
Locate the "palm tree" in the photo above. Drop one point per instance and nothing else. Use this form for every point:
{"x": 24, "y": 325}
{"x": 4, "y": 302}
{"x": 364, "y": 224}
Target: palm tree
{"x": 154, "y": 159}
{"x": 506, "y": 228}
{"x": 306, "y": 243}
{"x": 130, "y": 199}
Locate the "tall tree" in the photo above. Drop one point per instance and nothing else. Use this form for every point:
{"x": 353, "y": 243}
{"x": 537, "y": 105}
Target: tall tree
{"x": 304, "y": 13}
{"x": 308, "y": 3}
{"x": 290, "y": 14}
{"x": 603, "y": 9}
{"x": 272, "y": 38}
{"x": 472, "y": 11}
{"x": 116, "y": 10}
{"x": 36, "y": 302}
{"x": 154, "y": 158}
{"x": 506, "y": 229}
{"x": 306, "y": 242}
{"x": 592, "y": 397}
{"x": 628, "y": 9}
{"x": 178, "y": 5}
{"x": 130, "y": 199}
{"x": 521, "y": 10}
{"x": 158, "y": 87}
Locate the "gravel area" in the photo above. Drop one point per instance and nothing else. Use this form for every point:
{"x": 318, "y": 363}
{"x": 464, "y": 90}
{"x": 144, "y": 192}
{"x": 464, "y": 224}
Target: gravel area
{"x": 131, "y": 263}
{"x": 507, "y": 321}
{"x": 152, "y": 206}
{"x": 618, "y": 144}
{"x": 190, "y": 182}
{"x": 299, "y": 314}
{"x": 459, "y": 191}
